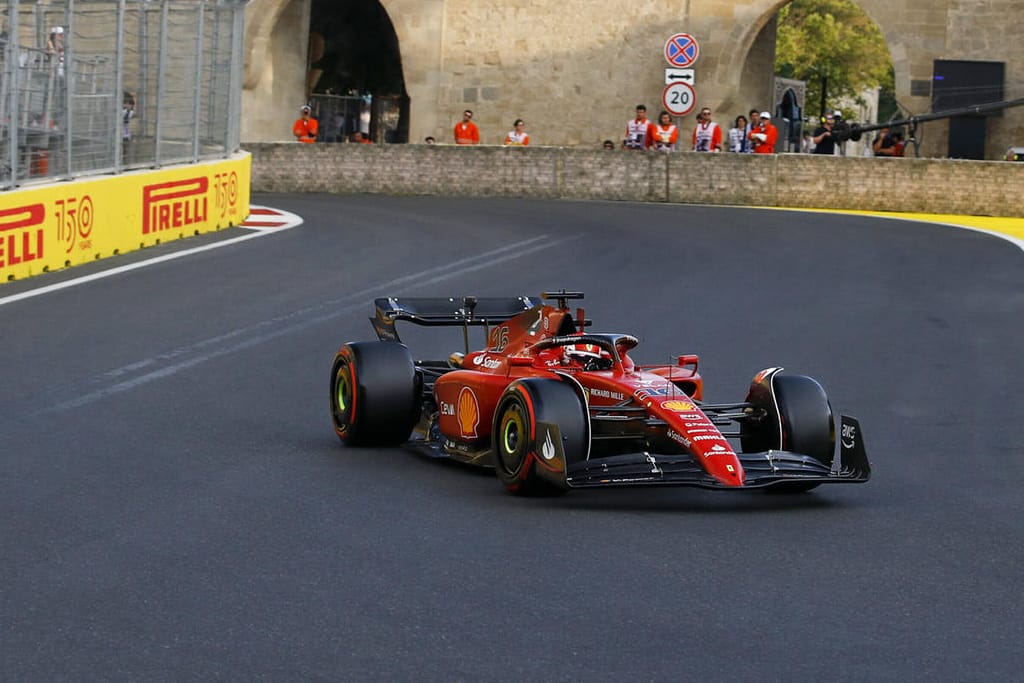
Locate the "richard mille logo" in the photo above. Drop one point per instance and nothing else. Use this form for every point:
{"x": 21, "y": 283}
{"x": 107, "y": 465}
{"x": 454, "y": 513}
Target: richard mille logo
{"x": 547, "y": 449}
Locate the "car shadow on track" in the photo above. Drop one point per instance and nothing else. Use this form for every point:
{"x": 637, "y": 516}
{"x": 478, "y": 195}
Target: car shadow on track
{"x": 684, "y": 499}
{"x": 479, "y": 483}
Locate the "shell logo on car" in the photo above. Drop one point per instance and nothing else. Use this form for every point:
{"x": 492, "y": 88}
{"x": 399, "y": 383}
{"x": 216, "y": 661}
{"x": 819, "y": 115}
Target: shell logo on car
{"x": 679, "y": 406}
{"x": 468, "y": 413}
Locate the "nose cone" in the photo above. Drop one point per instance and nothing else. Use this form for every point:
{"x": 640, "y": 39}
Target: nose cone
{"x": 690, "y": 427}
{"x": 721, "y": 462}
{"x": 729, "y": 473}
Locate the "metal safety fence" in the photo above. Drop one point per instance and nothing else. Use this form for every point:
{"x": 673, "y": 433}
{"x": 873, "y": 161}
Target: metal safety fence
{"x": 102, "y": 86}
{"x": 341, "y": 116}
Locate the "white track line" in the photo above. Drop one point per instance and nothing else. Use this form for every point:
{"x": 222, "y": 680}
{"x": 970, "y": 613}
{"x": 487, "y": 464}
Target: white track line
{"x": 292, "y": 221}
{"x": 299, "y": 320}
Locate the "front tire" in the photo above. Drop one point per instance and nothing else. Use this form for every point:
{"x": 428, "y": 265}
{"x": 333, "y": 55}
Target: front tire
{"x": 799, "y": 420}
{"x": 540, "y": 426}
{"x": 375, "y": 398}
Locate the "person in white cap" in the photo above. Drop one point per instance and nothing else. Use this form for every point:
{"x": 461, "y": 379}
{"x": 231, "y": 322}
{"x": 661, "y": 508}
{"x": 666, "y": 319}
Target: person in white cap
{"x": 765, "y": 135}
{"x": 55, "y": 47}
{"x": 305, "y": 127}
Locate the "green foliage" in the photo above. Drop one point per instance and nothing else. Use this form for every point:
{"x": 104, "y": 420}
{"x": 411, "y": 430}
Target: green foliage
{"x": 888, "y": 107}
{"x": 831, "y": 41}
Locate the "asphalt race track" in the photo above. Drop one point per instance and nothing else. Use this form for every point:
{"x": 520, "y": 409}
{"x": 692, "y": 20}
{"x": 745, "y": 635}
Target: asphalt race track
{"x": 176, "y": 506}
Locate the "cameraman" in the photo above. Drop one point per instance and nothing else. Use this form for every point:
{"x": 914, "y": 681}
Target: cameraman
{"x": 884, "y": 145}
{"x": 824, "y": 142}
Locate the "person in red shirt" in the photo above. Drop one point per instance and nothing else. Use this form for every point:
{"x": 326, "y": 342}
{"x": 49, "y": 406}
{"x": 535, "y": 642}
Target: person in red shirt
{"x": 305, "y": 127}
{"x": 639, "y": 131}
{"x": 765, "y": 136}
{"x": 665, "y": 133}
{"x": 707, "y": 136}
{"x": 466, "y": 132}
{"x": 361, "y": 139}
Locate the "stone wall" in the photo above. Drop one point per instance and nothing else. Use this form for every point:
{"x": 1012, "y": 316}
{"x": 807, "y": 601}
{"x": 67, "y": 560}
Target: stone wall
{"x": 574, "y": 69}
{"x": 785, "y": 180}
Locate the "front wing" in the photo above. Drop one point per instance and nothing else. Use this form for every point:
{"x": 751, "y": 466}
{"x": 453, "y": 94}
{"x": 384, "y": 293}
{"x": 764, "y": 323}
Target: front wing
{"x": 765, "y": 469}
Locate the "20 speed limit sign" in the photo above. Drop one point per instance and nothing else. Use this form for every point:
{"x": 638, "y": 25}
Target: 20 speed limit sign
{"x": 679, "y": 98}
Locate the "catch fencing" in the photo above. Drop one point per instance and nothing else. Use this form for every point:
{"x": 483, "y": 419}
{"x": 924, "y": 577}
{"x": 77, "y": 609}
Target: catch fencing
{"x": 101, "y": 86}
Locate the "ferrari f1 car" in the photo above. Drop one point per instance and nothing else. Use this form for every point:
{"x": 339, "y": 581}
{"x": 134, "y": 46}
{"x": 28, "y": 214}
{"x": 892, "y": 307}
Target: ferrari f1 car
{"x": 552, "y": 407}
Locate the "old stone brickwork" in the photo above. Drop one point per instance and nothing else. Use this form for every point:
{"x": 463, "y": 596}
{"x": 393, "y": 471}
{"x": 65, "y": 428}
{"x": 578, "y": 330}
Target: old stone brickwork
{"x": 574, "y": 69}
{"x": 786, "y": 180}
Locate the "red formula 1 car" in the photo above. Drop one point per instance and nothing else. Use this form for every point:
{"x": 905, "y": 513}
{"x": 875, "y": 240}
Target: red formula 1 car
{"x": 553, "y": 407}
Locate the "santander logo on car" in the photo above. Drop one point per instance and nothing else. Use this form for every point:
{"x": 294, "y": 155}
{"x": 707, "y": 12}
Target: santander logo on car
{"x": 485, "y": 361}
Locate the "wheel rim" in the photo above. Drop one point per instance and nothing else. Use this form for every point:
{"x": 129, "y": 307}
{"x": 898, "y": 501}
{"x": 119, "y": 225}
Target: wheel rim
{"x": 511, "y": 436}
{"x": 513, "y": 439}
{"x": 342, "y": 394}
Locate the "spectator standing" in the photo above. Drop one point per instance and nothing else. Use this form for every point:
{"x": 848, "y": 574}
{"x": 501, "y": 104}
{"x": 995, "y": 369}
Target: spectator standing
{"x": 639, "y": 131}
{"x": 55, "y": 47}
{"x": 338, "y": 132}
{"x": 884, "y": 145}
{"x": 738, "y": 141}
{"x": 755, "y": 123}
{"x": 765, "y": 135}
{"x": 127, "y": 114}
{"x": 518, "y": 135}
{"x": 466, "y": 132}
{"x": 707, "y": 136}
{"x": 666, "y": 134}
{"x": 806, "y": 142}
{"x": 824, "y": 143}
{"x": 305, "y": 127}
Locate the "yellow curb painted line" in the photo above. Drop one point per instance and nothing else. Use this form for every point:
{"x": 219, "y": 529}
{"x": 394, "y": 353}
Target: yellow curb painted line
{"x": 1011, "y": 229}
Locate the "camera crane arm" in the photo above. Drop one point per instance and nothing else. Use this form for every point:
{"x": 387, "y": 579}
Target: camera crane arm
{"x": 854, "y": 131}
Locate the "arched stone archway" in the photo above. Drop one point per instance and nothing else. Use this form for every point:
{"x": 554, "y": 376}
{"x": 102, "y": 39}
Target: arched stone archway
{"x": 751, "y": 43}
{"x": 276, "y": 50}
{"x": 275, "y": 45}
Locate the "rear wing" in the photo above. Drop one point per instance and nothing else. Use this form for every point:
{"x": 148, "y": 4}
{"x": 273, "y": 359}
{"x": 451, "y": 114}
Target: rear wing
{"x": 448, "y": 312}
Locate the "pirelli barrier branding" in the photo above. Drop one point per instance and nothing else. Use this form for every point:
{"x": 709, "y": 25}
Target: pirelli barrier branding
{"x": 66, "y": 224}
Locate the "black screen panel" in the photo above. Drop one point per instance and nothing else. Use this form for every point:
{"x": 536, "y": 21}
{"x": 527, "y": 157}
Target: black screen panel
{"x": 957, "y": 84}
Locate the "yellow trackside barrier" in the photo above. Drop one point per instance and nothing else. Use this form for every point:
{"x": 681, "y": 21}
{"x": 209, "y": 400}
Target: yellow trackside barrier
{"x": 65, "y": 224}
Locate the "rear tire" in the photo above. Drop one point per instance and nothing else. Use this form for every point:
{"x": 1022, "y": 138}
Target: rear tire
{"x": 540, "y": 426}
{"x": 807, "y": 425}
{"x": 375, "y": 398}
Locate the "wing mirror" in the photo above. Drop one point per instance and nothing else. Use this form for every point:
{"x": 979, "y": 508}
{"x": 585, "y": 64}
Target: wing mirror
{"x": 689, "y": 361}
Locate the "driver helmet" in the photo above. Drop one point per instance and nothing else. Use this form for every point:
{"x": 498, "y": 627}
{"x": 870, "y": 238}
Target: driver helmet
{"x": 590, "y": 356}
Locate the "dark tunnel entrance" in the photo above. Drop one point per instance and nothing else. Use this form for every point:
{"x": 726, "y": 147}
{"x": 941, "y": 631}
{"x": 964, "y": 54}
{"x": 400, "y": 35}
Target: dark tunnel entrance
{"x": 354, "y": 77}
